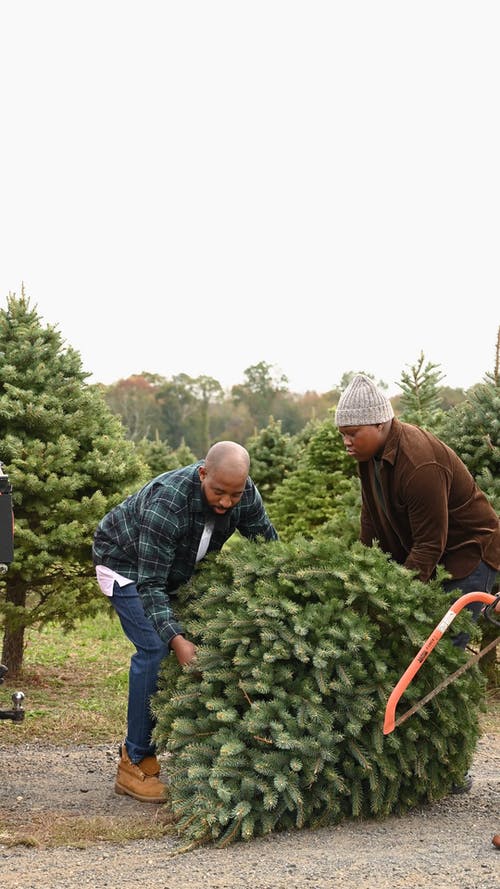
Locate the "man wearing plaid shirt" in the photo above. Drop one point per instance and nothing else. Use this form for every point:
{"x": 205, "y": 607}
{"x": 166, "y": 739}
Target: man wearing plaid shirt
{"x": 143, "y": 550}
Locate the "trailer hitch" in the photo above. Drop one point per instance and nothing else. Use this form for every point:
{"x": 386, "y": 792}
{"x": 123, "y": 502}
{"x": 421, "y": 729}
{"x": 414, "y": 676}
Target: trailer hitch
{"x": 16, "y": 713}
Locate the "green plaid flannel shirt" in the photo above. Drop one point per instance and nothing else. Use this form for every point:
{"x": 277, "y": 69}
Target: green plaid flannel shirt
{"x": 152, "y": 538}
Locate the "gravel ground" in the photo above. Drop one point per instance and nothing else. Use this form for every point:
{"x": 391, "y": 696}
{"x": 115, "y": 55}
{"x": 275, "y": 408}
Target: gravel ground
{"x": 447, "y": 844}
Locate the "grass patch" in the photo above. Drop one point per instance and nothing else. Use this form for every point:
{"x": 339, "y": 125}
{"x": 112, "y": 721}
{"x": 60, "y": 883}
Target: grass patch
{"x": 50, "y": 829}
{"x": 75, "y": 684}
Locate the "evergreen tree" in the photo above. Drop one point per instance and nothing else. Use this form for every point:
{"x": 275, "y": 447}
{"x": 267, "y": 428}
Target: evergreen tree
{"x": 183, "y": 456}
{"x": 420, "y": 403}
{"x": 279, "y": 724}
{"x": 309, "y": 495}
{"x": 160, "y": 458}
{"x": 472, "y": 429}
{"x": 272, "y": 456}
{"x": 68, "y": 462}
{"x": 344, "y": 523}
{"x": 157, "y": 454}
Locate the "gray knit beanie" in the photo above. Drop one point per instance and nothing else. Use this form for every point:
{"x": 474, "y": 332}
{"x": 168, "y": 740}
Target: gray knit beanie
{"x": 362, "y": 404}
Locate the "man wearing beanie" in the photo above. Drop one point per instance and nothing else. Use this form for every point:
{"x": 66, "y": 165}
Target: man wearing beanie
{"x": 419, "y": 500}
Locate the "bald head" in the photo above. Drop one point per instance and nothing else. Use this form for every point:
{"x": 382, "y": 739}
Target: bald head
{"x": 229, "y": 454}
{"x": 224, "y": 475}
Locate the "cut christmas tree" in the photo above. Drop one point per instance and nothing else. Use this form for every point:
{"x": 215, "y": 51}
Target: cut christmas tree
{"x": 279, "y": 725}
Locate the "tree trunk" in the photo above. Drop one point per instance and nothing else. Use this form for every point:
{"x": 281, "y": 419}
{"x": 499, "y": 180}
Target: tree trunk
{"x": 13, "y": 640}
{"x": 13, "y": 651}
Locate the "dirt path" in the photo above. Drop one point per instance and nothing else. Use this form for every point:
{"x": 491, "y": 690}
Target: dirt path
{"x": 448, "y": 844}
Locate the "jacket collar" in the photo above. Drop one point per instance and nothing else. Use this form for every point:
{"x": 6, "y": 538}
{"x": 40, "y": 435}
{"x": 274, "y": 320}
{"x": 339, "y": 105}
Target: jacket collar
{"x": 392, "y": 444}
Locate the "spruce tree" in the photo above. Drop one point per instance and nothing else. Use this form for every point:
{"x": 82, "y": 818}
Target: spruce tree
{"x": 184, "y": 456}
{"x": 157, "y": 454}
{"x": 272, "y": 457}
{"x": 309, "y": 495}
{"x": 420, "y": 402}
{"x": 472, "y": 429}
{"x": 279, "y": 723}
{"x": 68, "y": 463}
{"x": 160, "y": 458}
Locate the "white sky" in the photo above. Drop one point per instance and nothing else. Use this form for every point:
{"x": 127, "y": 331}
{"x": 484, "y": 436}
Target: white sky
{"x": 195, "y": 187}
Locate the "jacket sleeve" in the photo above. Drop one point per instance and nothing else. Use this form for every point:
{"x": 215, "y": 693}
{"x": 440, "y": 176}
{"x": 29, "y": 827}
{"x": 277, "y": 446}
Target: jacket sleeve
{"x": 159, "y": 532}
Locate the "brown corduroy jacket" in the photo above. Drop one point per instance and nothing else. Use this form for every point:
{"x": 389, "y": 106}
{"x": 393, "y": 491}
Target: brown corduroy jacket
{"x": 431, "y": 511}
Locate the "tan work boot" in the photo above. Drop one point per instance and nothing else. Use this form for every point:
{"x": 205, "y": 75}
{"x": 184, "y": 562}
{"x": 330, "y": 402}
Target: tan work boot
{"x": 139, "y": 780}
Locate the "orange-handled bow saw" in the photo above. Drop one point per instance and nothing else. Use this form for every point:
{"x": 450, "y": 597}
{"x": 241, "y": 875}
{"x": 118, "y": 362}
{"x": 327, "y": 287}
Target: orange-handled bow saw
{"x": 390, "y": 721}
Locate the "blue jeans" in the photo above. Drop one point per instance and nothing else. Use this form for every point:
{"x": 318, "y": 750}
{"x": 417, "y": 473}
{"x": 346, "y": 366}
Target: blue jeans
{"x": 144, "y": 666}
{"x": 481, "y": 580}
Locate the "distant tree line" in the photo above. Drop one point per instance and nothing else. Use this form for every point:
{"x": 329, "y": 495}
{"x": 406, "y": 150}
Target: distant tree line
{"x": 193, "y": 412}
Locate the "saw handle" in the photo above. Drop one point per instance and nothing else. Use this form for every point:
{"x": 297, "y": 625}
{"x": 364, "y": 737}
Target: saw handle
{"x": 422, "y": 655}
